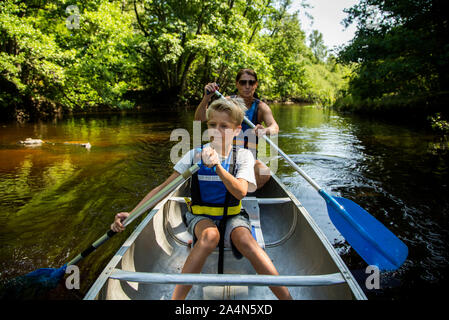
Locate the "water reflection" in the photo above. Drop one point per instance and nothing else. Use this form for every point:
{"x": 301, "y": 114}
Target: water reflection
{"x": 56, "y": 199}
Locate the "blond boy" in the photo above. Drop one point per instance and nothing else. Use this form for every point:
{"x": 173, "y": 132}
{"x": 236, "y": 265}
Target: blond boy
{"x": 224, "y": 118}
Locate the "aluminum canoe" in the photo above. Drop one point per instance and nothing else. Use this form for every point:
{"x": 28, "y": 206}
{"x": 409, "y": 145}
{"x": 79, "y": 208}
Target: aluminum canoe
{"x": 148, "y": 264}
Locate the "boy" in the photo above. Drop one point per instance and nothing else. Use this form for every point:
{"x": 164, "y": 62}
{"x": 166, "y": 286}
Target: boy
{"x": 213, "y": 189}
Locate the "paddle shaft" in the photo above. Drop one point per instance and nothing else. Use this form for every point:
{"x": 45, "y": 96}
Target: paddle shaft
{"x": 329, "y": 199}
{"x": 337, "y": 206}
{"x": 138, "y": 212}
{"x": 286, "y": 157}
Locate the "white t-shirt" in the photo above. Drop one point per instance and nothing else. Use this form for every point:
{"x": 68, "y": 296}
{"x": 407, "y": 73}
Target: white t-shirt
{"x": 245, "y": 165}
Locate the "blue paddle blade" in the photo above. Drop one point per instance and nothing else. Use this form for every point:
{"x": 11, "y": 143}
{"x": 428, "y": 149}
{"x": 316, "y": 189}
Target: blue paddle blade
{"x": 371, "y": 239}
{"x": 32, "y": 285}
{"x": 48, "y": 277}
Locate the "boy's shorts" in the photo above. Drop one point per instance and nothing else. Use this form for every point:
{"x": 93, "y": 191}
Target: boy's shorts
{"x": 239, "y": 220}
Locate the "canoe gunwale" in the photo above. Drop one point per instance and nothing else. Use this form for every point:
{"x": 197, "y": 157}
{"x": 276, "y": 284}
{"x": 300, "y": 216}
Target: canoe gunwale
{"x": 104, "y": 276}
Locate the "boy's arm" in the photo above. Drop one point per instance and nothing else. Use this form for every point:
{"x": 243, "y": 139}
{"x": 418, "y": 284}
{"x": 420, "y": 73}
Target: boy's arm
{"x": 117, "y": 225}
{"x": 157, "y": 189}
{"x": 238, "y": 187}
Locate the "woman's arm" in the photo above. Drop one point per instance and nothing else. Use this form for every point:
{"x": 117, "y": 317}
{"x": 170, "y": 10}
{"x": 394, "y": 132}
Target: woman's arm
{"x": 200, "y": 113}
{"x": 266, "y": 116}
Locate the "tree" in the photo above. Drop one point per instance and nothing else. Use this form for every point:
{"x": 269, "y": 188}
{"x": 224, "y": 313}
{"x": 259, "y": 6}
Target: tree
{"x": 180, "y": 37}
{"x": 45, "y": 63}
{"x": 162, "y": 50}
{"x": 401, "y": 48}
{"x": 29, "y": 59}
{"x": 104, "y": 66}
{"x": 287, "y": 52}
{"x": 316, "y": 44}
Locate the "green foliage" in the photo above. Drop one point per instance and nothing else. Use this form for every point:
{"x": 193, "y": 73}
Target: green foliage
{"x": 317, "y": 45}
{"x": 29, "y": 59}
{"x": 325, "y": 82}
{"x": 439, "y": 124}
{"x": 82, "y": 67}
{"x": 103, "y": 69}
{"x": 287, "y": 53}
{"x": 186, "y": 44}
{"x": 400, "y": 51}
{"x": 94, "y": 53}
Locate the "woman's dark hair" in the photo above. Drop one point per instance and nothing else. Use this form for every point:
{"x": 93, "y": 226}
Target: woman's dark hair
{"x": 250, "y": 72}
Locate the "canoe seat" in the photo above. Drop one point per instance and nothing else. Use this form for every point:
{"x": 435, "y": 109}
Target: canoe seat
{"x": 251, "y": 206}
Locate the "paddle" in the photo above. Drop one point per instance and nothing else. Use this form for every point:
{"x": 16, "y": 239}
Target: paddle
{"x": 370, "y": 239}
{"x": 43, "y": 279}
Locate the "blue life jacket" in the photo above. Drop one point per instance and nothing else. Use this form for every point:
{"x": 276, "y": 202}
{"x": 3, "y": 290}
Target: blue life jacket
{"x": 209, "y": 192}
{"x": 251, "y": 114}
{"x": 246, "y": 139}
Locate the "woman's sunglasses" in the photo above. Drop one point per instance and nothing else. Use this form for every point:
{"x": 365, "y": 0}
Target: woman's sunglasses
{"x": 245, "y": 82}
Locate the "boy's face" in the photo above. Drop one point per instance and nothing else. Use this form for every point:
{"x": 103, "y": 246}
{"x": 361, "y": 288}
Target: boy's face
{"x": 221, "y": 128}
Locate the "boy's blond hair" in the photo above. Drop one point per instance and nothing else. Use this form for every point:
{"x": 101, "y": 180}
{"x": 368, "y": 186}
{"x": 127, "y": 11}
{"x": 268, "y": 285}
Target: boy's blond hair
{"x": 234, "y": 107}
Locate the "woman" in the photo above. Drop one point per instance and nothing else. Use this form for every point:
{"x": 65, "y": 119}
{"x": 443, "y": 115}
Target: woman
{"x": 257, "y": 112}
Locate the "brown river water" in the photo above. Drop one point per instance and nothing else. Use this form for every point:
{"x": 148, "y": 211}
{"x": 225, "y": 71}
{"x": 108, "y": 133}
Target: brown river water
{"x": 59, "y": 197}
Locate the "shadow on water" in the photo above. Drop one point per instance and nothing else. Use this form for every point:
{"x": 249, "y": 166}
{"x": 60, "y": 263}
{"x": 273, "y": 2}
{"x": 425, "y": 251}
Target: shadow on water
{"x": 56, "y": 199}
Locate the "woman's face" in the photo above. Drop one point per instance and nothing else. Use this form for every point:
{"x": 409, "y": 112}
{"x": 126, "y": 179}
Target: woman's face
{"x": 246, "y": 86}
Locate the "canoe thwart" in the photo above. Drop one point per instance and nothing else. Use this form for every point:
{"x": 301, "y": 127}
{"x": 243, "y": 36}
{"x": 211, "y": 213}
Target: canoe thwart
{"x": 227, "y": 279}
{"x": 259, "y": 200}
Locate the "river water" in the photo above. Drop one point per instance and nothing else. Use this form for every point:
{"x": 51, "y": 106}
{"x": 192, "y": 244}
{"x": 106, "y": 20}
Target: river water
{"x": 57, "y": 198}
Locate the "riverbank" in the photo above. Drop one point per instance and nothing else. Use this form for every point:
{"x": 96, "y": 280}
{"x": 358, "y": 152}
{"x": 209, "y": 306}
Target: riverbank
{"x": 424, "y": 111}
{"x": 428, "y": 110}
{"x": 29, "y": 109}
{"x": 395, "y": 105}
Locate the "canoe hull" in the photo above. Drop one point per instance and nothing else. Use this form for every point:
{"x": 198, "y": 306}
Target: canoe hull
{"x": 293, "y": 241}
